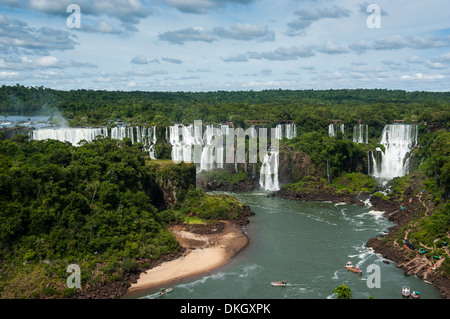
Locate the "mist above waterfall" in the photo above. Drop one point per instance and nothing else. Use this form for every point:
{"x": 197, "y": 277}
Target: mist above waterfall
{"x": 398, "y": 140}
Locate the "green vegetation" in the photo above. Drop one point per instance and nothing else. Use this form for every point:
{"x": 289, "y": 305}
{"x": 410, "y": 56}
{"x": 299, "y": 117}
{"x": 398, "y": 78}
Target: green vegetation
{"x": 100, "y": 205}
{"x": 104, "y": 207}
{"x": 310, "y": 109}
{"x": 343, "y": 292}
{"x": 424, "y": 193}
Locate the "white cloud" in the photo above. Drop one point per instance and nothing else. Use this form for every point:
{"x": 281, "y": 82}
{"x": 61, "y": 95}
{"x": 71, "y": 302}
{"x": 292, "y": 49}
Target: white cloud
{"x": 245, "y": 32}
{"x": 4, "y": 75}
{"x": 305, "y": 17}
{"x": 421, "y": 76}
{"x": 24, "y": 63}
{"x": 17, "y": 37}
{"x": 187, "y": 34}
{"x": 444, "y": 58}
{"x": 435, "y": 65}
{"x": 396, "y": 42}
{"x": 415, "y": 59}
{"x": 238, "y": 31}
{"x": 202, "y": 6}
{"x": 140, "y": 59}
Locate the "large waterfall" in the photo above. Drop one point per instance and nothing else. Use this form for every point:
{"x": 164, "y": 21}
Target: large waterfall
{"x": 71, "y": 135}
{"x": 137, "y": 134}
{"x": 398, "y": 140}
{"x": 286, "y": 130}
{"x": 186, "y": 141}
{"x": 361, "y": 133}
{"x": 331, "y": 129}
{"x": 268, "y": 175}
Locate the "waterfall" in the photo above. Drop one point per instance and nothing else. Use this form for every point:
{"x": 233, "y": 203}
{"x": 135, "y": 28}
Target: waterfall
{"x": 361, "y": 133}
{"x": 268, "y": 176}
{"x": 71, "y": 135}
{"x": 328, "y": 172}
{"x": 331, "y": 130}
{"x": 397, "y": 139}
{"x": 184, "y": 139}
{"x": 288, "y": 131}
{"x": 144, "y": 135}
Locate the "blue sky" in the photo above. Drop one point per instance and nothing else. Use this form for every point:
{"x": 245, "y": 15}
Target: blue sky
{"x": 209, "y": 45}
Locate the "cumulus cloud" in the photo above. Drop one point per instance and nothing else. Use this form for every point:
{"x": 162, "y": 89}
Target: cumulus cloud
{"x": 238, "y": 31}
{"x": 17, "y": 37}
{"x": 187, "y": 34}
{"x": 444, "y": 58}
{"x": 140, "y": 59}
{"x": 202, "y": 6}
{"x": 396, "y": 42}
{"x": 421, "y": 76}
{"x": 286, "y": 54}
{"x": 331, "y": 47}
{"x": 245, "y": 32}
{"x": 306, "y": 17}
{"x": 127, "y": 11}
{"x": 25, "y": 63}
{"x": 170, "y": 60}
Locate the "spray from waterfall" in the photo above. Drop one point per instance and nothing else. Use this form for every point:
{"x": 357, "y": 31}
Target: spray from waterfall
{"x": 398, "y": 140}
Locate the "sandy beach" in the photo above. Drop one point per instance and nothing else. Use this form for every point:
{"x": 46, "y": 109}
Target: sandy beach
{"x": 206, "y": 249}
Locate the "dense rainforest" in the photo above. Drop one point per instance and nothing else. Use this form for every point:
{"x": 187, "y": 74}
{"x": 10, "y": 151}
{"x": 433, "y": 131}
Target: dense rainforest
{"x": 104, "y": 206}
{"x": 309, "y": 109}
{"x": 101, "y": 206}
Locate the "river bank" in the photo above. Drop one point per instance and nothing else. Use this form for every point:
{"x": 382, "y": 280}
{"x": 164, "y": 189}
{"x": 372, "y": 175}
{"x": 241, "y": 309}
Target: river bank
{"x": 207, "y": 247}
{"x": 411, "y": 262}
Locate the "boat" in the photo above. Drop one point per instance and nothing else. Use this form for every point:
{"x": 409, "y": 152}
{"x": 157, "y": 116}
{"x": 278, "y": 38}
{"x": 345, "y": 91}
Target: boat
{"x": 352, "y": 267}
{"x": 164, "y": 291}
{"x": 415, "y": 295}
{"x": 279, "y": 283}
{"x": 408, "y": 245}
{"x": 406, "y": 292}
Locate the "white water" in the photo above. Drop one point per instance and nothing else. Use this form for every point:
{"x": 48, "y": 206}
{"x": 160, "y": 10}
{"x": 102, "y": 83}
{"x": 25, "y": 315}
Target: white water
{"x": 331, "y": 129}
{"x": 288, "y": 131}
{"x": 268, "y": 175}
{"x": 185, "y": 139}
{"x": 361, "y": 133}
{"x": 71, "y": 135}
{"x": 142, "y": 134}
{"x": 398, "y": 140}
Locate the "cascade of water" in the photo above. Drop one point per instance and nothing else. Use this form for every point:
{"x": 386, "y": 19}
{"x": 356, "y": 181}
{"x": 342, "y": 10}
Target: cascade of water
{"x": 361, "y": 133}
{"x": 331, "y": 130}
{"x": 288, "y": 130}
{"x": 328, "y": 172}
{"x": 75, "y": 135}
{"x": 71, "y": 135}
{"x": 397, "y": 139}
{"x": 268, "y": 176}
{"x": 291, "y": 131}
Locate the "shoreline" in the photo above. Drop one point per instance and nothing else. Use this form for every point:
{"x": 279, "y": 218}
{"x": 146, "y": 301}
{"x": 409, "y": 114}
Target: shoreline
{"x": 207, "y": 248}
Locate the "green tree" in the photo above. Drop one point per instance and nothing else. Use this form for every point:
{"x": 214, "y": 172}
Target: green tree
{"x": 343, "y": 292}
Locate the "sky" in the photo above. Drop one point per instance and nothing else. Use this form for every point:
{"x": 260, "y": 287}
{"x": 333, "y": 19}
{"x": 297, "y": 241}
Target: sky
{"x": 232, "y": 45}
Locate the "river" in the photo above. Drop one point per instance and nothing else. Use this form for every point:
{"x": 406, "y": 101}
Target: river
{"x": 306, "y": 244}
